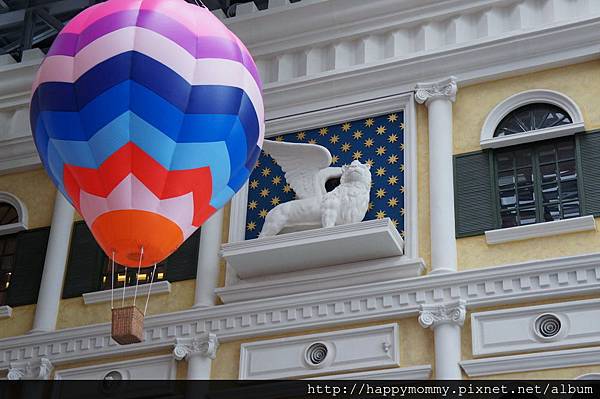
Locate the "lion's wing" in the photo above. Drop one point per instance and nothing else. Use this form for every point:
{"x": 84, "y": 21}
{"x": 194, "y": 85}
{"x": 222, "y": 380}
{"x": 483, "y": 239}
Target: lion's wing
{"x": 301, "y": 164}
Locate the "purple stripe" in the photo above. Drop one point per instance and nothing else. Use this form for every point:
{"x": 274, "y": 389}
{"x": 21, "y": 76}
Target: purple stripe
{"x": 200, "y": 47}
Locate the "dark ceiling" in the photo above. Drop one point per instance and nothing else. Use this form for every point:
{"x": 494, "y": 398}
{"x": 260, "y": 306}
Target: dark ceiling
{"x": 26, "y": 24}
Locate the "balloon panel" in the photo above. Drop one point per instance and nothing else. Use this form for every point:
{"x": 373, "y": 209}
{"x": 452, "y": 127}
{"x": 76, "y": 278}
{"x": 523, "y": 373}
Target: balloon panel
{"x": 148, "y": 116}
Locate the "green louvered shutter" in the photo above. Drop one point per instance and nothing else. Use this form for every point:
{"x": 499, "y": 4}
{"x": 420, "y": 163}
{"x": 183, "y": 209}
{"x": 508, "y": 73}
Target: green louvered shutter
{"x": 29, "y": 265}
{"x": 182, "y": 265}
{"x": 589, "y": 163}
{"x": 84, "y": 267}
{"x": 474, "y": 204}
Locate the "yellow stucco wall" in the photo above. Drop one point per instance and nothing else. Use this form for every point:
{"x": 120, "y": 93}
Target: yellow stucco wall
{"x": 415, "y": 347}
{"x": 36, "y": 191}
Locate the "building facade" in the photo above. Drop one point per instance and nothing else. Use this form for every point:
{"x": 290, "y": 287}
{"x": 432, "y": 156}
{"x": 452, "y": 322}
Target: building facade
{"x": 479, "y": 256}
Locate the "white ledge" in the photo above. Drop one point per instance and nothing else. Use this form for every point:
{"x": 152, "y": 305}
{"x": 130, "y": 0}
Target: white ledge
{"x": 421, "y": 372}
{"x": 346, "y": 275}
{"x": 292, "y": 252}
{"x": 5, "y": 312}
{"x": 532, "y": 361}
{"x": 564, "y": 226}
{"x": 159, "y": 287}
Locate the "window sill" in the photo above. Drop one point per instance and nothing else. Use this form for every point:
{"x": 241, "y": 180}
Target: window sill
{"x": 160, "y": 287}
{"x": 12, "y": 228}
{"x": 5, "y": 312}
{"x": 499, "y": 236}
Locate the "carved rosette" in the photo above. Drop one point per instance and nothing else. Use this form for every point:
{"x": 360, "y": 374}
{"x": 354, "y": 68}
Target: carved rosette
{"x": 442, "y": 89}
{"x": 449, "y": 312}
{"x": 203, "y": 345}
{"x": 39, "y": 369}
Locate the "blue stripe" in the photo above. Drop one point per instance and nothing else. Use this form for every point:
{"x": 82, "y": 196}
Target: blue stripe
{"x": 129, "y": 127}
{"x": 152, "y": 108}
{"x": 164, "y": 82}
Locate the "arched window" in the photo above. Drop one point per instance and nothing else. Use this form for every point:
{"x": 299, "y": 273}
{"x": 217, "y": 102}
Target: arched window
{"x": 13, "y": 218}
{"x": 532, "y": 117}
{"x": 536, "y": 175}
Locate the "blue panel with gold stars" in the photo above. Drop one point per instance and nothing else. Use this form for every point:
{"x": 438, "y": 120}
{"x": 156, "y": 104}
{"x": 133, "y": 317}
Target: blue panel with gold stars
{"x": 378, "y": 141}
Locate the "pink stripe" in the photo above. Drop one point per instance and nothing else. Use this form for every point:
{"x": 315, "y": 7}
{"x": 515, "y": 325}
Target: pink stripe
{"x": 133, "y": 194}
{"x": 93, "y": 14}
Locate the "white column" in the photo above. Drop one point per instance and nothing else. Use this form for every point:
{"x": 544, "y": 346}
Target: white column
{"x": 207, "y": 274}
{"x": 438, "y": 97}
{"x": 199, "y": 353}
{"x": 55, "y": 264}
{"x": 446, "y": 320}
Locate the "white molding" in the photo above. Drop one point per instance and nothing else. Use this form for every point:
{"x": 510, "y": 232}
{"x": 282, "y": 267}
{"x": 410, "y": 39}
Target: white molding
{"x": 524, "y": 98}
{"x": 158, "y": 287}
{"x": 422, "y": 372}
{"x": 347, "y": 350}
{"x": 545, "y": 229}
{"x": 23, "y": 214}
{"x": 205, "y": 345}
{"x": 532, "y": 361}
{"x": 331, "y": 116}
{"x": 387, "y": 300}
{"x": 127, "y": 368}
{"x": 323, "y": 279}
{"x": 5, "y": 312}
{"x": 514, "y": 330}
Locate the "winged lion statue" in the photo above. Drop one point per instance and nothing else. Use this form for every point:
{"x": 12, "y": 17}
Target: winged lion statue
{"x": 307, "y": 169}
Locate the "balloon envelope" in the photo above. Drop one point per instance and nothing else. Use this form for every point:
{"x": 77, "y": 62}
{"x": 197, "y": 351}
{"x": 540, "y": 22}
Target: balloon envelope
{"x": 148, "y": 117}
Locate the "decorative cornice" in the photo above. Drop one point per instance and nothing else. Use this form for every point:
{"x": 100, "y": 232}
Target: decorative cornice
{"x": 449, "y": 312}
{"x": 444, "y": 89}
{"x": 204, "y": 345}
{"x": 39, "y": 369}
{"x": 388, "y": 300}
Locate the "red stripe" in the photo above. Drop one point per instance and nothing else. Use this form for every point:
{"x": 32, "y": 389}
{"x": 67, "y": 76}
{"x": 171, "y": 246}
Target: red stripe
{"x": 130, "y": 159}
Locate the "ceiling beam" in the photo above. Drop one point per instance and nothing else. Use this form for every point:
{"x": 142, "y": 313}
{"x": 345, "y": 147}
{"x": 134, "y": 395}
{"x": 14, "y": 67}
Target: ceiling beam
{"x": 49, "y": 19}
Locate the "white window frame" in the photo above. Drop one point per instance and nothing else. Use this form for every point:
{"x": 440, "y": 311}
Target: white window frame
{"x": 20, "y": 225}
{"x": 21, "y": 209}
{"x": 332, "y": 116}
{"x": 513, "y": 102}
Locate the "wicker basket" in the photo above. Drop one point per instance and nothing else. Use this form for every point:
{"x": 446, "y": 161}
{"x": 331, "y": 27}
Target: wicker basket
{"x": 127, "y": 325}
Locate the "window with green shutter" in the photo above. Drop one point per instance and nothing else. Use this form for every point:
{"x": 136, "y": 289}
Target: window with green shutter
{"x": 539, "y": 181}
{"x": 89, "y": 269}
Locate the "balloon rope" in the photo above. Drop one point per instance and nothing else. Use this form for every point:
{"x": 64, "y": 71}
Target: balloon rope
{"x": 124, "y": 286}
{"x": 137, "y": 276}
{"x": 198, "y": 4}
{"x": 112, "y": 282}
{"x": 150, "y": 289}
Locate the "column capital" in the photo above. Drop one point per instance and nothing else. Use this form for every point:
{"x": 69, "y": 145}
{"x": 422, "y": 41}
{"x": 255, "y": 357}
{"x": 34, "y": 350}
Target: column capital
{"x": 39, "y": 369}
{"x": 432, "y": 315}
{"x": 441, "y": 89}
{"x": 204, "y": 345}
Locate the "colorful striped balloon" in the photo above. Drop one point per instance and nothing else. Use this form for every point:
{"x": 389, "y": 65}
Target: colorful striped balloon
{"x": 148, "y": 117}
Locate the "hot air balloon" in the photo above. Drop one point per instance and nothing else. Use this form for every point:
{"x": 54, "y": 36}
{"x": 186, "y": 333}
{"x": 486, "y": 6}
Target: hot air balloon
{"x": 148, "y": 117}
